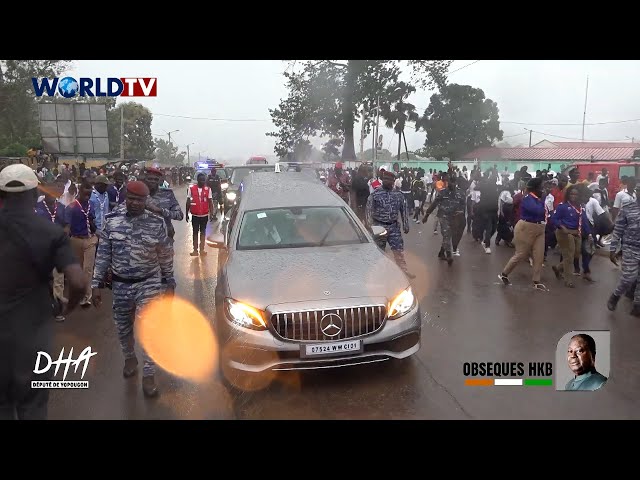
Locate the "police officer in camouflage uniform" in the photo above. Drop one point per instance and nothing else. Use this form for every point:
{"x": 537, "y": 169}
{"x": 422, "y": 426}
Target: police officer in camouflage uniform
{"x": 627, "y": 230}
{"x": 384, "y": 206}
{"x": 450, "y": 201}
{"x": 135, "y": 245}
{"x": 162, "y": 201}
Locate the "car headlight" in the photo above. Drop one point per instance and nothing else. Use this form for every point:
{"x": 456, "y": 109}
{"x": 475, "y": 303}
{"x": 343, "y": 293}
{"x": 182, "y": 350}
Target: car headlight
{"x": 231, "y": 196}
{"x": 401, "y": 304}
{"x": 224, "y": 185}
{"x": 245, "y": 315}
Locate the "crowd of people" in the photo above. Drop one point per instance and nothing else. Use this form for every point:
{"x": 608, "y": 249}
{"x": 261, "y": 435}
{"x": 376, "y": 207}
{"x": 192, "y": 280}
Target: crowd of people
{"x": 532, "y": 214}
{"x": 73, "y": 232}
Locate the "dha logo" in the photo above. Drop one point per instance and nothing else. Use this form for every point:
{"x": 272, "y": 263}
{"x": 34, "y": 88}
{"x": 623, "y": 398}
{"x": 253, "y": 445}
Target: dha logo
{"x": 69, "y": 87}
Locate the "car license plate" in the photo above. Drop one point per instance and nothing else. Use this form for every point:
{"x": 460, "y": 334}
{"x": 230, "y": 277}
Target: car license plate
{"x": 332, "y": 348}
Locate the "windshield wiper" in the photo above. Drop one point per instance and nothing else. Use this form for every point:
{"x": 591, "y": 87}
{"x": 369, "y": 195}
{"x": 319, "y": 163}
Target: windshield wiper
{"x": 321, "y": 243}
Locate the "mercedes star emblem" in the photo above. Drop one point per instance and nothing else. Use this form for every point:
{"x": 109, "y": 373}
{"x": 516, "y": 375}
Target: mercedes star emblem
{"x": 331, "y": 325}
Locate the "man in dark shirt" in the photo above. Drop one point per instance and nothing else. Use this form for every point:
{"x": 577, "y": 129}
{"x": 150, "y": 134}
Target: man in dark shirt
{"x": 487, "y": 209}
{"x": 162, "y": 201}
{"x": 30, "y": 248}
{"x": 118, "y": 191}
{"x": 360, "y": 187}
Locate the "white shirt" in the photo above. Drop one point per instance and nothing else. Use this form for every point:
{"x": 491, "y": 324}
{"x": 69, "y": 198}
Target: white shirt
{"x": 593, "y": 209}
{"x": 473, "y": 193}
{"x": 428, "y": 178}
{"x": 548, "y": 203}
{"x": 505, "y": 197}
{"x": 397, "y": 184}
{"x": 623, "y": 198}
{"x": 601, "y": 176}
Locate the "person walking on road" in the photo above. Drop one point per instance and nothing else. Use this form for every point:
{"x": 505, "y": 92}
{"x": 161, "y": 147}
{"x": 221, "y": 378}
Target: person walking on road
{"x": 162, "y": 201}
{"x": 451, "y": 201}
{"x": 80, "y": 224}
{"x": 51, "y": 209}
{"x": 626, "y": 235}
{"x": 200, "y": 205}
{"x": 31, "y": 246}
{"x": 384, "y": 206}
{"x": 529, "y": 234}
{"x": 135, "y": 245}
{"x": 571, "y": 222}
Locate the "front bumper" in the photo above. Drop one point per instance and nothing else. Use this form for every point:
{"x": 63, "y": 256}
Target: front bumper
{"x": 253, "y": 351}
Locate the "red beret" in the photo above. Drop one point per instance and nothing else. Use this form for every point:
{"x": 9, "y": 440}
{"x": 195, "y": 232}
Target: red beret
{"x": 154, "y": 170}
{"x": 338, "y": 164}
{"x": 138, "y": 188}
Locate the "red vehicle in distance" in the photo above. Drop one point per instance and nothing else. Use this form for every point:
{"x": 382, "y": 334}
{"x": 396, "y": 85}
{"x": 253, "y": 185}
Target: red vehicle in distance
{"x": 257, "y": 160}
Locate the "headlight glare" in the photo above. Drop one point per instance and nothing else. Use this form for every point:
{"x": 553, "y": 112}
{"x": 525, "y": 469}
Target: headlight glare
{"x": 400, "y": 305}
{"x": 231, "y": 196}
{"x": 245, "y": 315}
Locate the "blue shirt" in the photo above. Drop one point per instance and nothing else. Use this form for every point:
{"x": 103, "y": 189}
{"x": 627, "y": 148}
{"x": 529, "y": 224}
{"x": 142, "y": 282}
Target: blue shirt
{"x": 76, "y": 219}
{"x": 569, "y": 217}
{"x": 100, "y": 207}
{"x": 532, "y": 209}
{"x": 116, "y": 195}
{"x": 57, "y": 212}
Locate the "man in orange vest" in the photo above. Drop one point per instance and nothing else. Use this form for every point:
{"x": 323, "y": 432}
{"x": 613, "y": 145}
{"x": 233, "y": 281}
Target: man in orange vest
{"x": 200, "y": 204}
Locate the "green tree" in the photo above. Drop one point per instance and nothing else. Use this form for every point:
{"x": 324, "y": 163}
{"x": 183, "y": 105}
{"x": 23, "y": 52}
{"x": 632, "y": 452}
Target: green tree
{"x": 326, "y": 96}
{"x": 458, "y": 119}
{"x": 18, "y": 103}
{"x": 398, "y": 114}
{"x": 138, "y": 140}
{"x": 167, "y": 153}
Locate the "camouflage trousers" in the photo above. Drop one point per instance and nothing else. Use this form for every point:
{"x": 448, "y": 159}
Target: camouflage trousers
{"x": 630, "y": 264}
{"x": 128, "y": 300}
{"x": 395, "y": 241}
{"x": 445, "y": 230}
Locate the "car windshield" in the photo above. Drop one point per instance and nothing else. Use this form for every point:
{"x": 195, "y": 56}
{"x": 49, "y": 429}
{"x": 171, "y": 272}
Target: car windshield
{"x": 298, "y": 227}
{"x": 239, "y": 174}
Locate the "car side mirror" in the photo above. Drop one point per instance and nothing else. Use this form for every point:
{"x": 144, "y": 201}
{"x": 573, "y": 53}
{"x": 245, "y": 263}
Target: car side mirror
{"x": 378, "y": 231}
{"x": 216, "y": 240}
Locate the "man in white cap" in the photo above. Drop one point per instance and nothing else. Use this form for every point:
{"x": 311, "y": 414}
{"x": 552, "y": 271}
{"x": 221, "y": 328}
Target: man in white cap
{"x": 30, "y": 248}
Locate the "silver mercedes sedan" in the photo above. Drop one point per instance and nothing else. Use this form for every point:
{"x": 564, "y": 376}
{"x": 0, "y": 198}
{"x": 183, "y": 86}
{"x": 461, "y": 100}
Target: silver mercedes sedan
{"x": 302, "y": 284}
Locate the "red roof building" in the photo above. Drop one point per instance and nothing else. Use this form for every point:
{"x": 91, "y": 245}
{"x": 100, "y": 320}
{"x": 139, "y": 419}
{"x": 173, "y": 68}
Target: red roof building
{"x": 546, "y": 151}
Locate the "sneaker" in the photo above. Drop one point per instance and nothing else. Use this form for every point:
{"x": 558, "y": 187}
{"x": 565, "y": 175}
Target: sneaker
{"x": 504, "y": 279}
{"x": 60, "y": 318}
{"x": 194, "y": 253}
{"x": 456, "y": 253}
{"x": 487, "y": 250}
{"x": 203, "y": 253}
{"x": 435, "y": 232}
{"x": 540, "y": 286}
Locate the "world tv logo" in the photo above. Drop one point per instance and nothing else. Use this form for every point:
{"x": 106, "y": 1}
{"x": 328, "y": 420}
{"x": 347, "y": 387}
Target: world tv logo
{"x": 69, "y": 87}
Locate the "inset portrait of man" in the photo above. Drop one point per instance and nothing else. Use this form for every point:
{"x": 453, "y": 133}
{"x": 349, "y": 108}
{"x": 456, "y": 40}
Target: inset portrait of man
{"x": 581, "y": 359}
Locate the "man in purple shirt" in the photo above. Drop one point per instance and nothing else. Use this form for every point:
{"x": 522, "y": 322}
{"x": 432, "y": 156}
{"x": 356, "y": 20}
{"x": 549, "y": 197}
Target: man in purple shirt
{"x": 118, "y": 191}
{"x": 529, "y": 234}
{"x": 80, "y": 223}
{"x": 53, "y": 211}
{"x": 571, "y": 221}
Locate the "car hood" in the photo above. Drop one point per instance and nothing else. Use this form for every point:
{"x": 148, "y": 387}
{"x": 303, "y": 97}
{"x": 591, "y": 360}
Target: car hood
{"x": 264, "y": 278}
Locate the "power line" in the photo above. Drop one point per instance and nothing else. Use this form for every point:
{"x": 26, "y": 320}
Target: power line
{"x": 212, "y": 119}
{"x": 465, "y": 66}
{"x": 571, "y": 124}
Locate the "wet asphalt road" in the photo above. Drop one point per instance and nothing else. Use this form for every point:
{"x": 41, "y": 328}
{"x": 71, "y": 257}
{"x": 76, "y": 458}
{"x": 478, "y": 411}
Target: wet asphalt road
{"x": 468, "y": 316}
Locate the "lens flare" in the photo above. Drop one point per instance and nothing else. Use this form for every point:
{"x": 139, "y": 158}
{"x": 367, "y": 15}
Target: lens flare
{"x": 179, "y": 338}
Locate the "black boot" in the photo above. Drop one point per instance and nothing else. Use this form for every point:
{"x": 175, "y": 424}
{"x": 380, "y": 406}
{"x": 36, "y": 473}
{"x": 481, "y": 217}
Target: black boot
{"x": 149, "y": 387}
{"x": 635, "y": 311}
{"x": 449, "y": 258}
{"x": 130, "y": 367}
{"x": 613, "y": 302}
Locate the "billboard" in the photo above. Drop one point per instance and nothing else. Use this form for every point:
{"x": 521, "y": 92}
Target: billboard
{"x": 73, "y": 128}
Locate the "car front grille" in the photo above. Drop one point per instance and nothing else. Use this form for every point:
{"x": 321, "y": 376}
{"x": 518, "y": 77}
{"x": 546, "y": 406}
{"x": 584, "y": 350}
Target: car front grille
{"x": 308, "y": 325}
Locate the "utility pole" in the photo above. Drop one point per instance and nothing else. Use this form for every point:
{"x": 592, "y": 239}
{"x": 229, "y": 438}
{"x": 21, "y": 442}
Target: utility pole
{"x": 584, "y": 116}
{"x": 406, "y": 149}
{"x": 188, "y": 155}
{"x": 375, "y": 138}
{"x": 530, "y": 135}
{"x": 122, "y": 132}
{"x": 362, "y": 138}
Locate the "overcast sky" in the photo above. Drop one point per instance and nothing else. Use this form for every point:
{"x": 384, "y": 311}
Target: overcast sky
{"x": 526, "y": 91}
